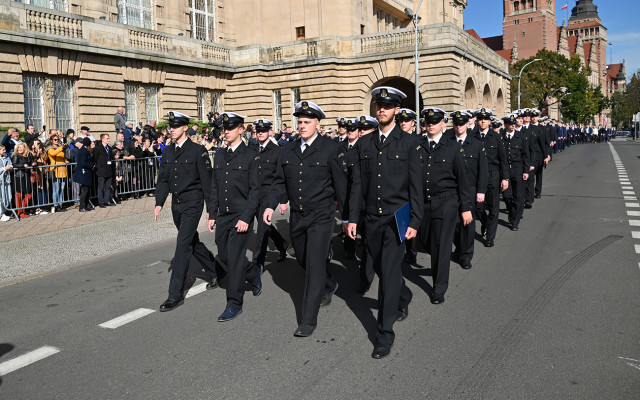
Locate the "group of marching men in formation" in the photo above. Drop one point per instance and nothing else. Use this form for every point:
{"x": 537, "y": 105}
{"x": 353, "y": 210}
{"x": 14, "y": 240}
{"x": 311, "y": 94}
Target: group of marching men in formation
{"x": 373, "y": 170}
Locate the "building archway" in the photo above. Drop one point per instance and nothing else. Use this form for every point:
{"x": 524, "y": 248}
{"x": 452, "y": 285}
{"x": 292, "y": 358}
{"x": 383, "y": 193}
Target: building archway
{"x": 402, "y": 84}
{"x": 500, "y": 104}
{"x": 470, "y": 95}
{"x": 486, "y": 97}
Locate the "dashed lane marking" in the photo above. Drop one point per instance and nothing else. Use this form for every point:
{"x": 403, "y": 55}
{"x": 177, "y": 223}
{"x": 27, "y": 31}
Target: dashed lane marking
{"x": 633, "y": 213}
{"x": 634, "y": 222}
{"x": 197, "y": 290}
{"x": 26, "y": 359}
{"x": 152, "y": 264}
{"x": 632, "y": 205}
{"x": 631, "y": 192}
{"x": 126, "y": 318}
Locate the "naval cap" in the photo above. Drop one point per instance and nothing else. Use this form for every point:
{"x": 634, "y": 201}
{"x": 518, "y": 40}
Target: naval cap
{"x": 231, "y": 119}
{"x": 406, "y": 114}
{"x": 352, "y": 124}
{"x": 387, "y": 94}
{"x": 460, "y": 117}
{"x": 342, "y": 122}
{"x": 178, "y": 119}
{"x": 510, "y": 119}
{"x": 367, "y": 122}
{"x": 483, "y": 113}
{"x": 433, "y": 115}
{"x": 308, "y": 109}
{"x": 262, "y": 124}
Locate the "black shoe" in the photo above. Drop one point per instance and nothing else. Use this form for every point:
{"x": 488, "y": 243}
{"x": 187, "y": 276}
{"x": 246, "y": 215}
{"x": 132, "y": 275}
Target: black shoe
{"x": 483, "y": 230}
{"x": 102, "y": 205}
{"x": 403, "y": 313}
{"x": 514, "y": 227}
{"x": 364, "y": 287}
{"x": 490, "y": 243}
{"x": 229, "y": 313}
{"x": 410, "y": 258}
{"x": 538, "y": 196}
{"x": 136, "y": 196}
{"x": 528, "y": 204}
{"x": 170, "y": 304}
{"x": 109, "y": 204}
{"x": 283, "y": 253}
{"x": 118, "y": 201}
{"x": 381, "y": 351}
{"x": 256, "y": 287}
{"x": 326, "y": 299}
{"x": 466, "y": 264}
{"x": 437, "y": 299}
{"x": 213, "y": 283}
{"x": 82, "y": 209}
{"x": 304, "y": 330}
{"x": 90, "y": 208}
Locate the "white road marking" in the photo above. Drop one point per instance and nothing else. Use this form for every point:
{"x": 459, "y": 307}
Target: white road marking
{"x": 634, "y": 222}
{"x": 126, "y": 318}
{"x": 633, "y": 213}
{"x": 632, "y": 205}
{"x": 26, "y": 359}
{"x": 152, "y": 264}
{"x": 635, "y": 235}
{"x": 630, "y": 198}
{"x": 637, "y": 247}
{"x": 631, "y": 192}
{"x": 627, "y": 188}
{"x": 197, "y": 290}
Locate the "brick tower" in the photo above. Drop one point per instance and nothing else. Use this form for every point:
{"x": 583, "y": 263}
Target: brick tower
{"x": 531, "y": 24}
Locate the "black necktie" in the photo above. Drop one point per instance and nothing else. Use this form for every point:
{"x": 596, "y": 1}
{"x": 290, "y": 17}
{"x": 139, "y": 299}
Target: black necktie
{"x": 261, "y": 149}
{"x": 460, "y": 142}
{"x": 482, "y": 135}
{"x": 432, "y": 144}
{"x": 304, "y": 147}
{"x": 350, "y": 146}
{"x": 382, "y": 138}
{"x": 230, "y": 150}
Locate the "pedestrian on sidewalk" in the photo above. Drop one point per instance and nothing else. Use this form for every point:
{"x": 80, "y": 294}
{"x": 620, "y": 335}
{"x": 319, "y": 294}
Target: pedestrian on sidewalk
{"x": 5, "y": 183}
{"x": 83, "y": 173}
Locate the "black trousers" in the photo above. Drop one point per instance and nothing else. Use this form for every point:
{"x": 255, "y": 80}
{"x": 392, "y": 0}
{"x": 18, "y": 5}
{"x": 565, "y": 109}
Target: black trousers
{"x": 488, "y": 212}
{"x": 84, "y": 196}
{"x": 464, "y": 237}
{"x": 436, "y": 235}
{"x": 514, "y": 198}
{"x": 186, "y": 216}
{"x": 529, "y": 185}
{"x": 387, "y": 254}
{"x": 232, "y": 250}
{"x": 311, "y": 233}
{"x": 538, "y": 178}
{"x": 264, "y": 232}
{"x": 104, "y": 189}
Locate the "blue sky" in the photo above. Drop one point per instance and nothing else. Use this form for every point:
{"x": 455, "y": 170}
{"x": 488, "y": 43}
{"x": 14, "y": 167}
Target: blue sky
{"x": 620, "y": 17}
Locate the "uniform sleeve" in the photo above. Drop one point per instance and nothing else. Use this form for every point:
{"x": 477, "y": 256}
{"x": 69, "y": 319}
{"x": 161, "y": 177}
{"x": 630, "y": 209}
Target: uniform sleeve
{"x": 162, "y": 187}
{"x": 278, "y": 188}
{"x": 503, "y": 160}
{"x": 466, "y": 197}
{"x": 483, "y": 171}
{"x": 254, "y": 192}
{"x": 203, "y": 164}
{"x": 532, "y": 150}
{"x": 338, "y": 168}
{"x": 526, "y": 160}
{"x": 416, "y": 184}
{"x": 351, "y": 157}
{"x": 356, "y": 197}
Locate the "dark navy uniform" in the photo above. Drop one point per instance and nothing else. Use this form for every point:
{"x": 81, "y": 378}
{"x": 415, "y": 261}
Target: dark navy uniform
{"x": 476, "y": 176}
{"x": 313, "y": 180}
{"x": 234, "y": 197}
{"x": 267, "y": 166}
{"x": 538, "y": 152}
{"x": 498, "y": 165}
{"x": 387, "y": 177}
{"x": 447, "y": 193}
{"x": 185, "y": 172}
{"x": 518, "y": 159}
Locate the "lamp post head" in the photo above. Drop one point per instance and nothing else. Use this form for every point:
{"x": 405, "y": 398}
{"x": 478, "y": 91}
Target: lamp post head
{"x": 409, "y": 12}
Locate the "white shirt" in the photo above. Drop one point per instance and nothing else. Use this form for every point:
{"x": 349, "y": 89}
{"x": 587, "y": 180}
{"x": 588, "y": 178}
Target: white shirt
{"x": 462, "y": 137}
{"x": 386, "y": 134}
{"x": 436, "y": 139}
{"x": 178, "y": 145}
{"x": 302, "y": 142}
{"x": 234, "y": 147}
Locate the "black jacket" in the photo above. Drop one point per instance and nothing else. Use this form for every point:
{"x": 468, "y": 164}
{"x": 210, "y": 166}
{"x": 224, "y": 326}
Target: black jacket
{"x": 267, "y": 169}
{"x": 102, "y": 157}
{"x": 313, "y": 180}
{"x": 496, "y": 153}
{"x": 185, "y": 173}
{"x": 517, "y": 154}
{"x": 388, "y": 176}
{"x": 234, "y": 183}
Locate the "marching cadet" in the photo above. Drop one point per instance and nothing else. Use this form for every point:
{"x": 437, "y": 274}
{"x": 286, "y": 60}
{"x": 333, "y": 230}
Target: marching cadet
{"x": 387, "y": 177}
{"x": 407, "y": 120}
{"x": 543, "y": 156}
{"x": 348, "y": 146}
{"x": 496, "y": 125}
{"x": 185, "y": 172}
{"x": 477, "y": 175}
{"x": 447, "y": 197}
{"x": 342, "y": 129}
{"x": 472, "y": 122}
{"x": 312, "y": 172}
{"x": 518, "y": 158}
{"x": 269, "y": 154}
{"x": 498, "y": 179}
{"x": 234, "y": 200}
{"x": 366, "y": 125}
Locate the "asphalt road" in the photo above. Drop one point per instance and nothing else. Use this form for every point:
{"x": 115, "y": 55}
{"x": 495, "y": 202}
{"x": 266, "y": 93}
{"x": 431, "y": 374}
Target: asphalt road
{"x": 550, "y": 312}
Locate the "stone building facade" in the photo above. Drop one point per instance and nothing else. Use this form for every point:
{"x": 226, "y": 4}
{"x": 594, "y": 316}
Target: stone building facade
{"x": 67, "y": 63}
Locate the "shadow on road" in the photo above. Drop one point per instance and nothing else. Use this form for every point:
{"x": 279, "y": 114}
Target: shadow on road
{"x": 4, "y": 349}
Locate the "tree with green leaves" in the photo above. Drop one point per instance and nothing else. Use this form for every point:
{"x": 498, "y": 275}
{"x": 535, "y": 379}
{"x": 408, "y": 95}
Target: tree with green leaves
{"x": 543, "y": 79}
{"x": 625, "y": 104}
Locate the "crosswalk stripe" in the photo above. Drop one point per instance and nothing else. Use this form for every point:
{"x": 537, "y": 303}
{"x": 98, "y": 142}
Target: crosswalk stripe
{"x": 26, "y": 359}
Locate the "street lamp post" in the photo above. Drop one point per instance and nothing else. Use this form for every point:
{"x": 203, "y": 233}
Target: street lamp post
{"x": 520, "y": 77}
{"x": 416, "y": 18}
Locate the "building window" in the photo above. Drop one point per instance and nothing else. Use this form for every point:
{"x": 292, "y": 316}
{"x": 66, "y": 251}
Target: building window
{"x": 524, "y": 34}
{"x": 362, "y": 29}
{"x": 300, "y": 33}
{"x": 136, "y": 13}
{"x": 60, "y": 5}
{"x": 516, "y": 6}
{"x": 379, "y": 26}
{"x": 57, "y": 94}
{"x": 517, "y": 22}
{"x": 151, "y": 103}
{"x": 131, "y": 103}
{"x": 277, "y": 108}
{"x": 295, "y": 98}
{"x": 387, "y": 22}
{"x": 203, "y": 25}
{"x": 208, "y": 101}
{"x": 396, "y": 25}
{"x": 138, "y": 98}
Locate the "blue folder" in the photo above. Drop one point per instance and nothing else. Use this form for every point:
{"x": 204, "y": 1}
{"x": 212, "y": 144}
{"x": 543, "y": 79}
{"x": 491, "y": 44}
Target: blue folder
{"x": 403, "y": 216}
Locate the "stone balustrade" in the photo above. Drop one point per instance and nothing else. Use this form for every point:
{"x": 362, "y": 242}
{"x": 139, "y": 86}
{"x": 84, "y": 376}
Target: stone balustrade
{"x": 53, "y": 24}
{"x": 215, "y": 53}
{"x": 389, "y": 41}
{"x": 148, "y": 41}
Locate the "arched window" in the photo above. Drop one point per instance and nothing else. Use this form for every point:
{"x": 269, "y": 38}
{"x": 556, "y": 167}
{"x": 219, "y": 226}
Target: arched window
{"x": 516, "y": 6}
